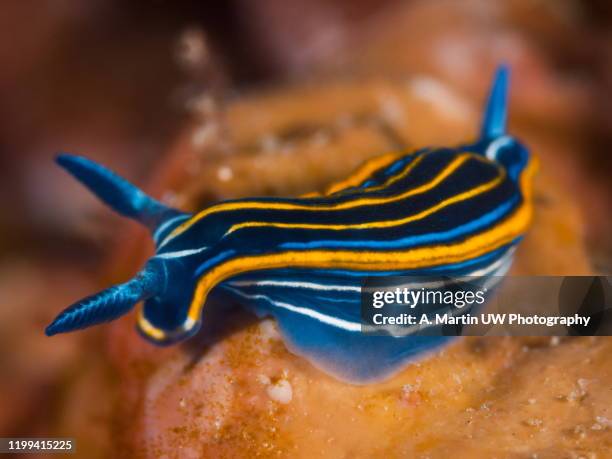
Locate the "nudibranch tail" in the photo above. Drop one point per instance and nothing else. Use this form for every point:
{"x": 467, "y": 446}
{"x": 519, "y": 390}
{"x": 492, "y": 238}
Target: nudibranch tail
{"x": 118, "y": 193}
{"x": 494, "y": 122}
{"x": 108, "y": 304}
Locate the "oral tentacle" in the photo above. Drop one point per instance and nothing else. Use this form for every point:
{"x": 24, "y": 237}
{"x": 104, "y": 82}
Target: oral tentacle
{"x": 109, "y": 304}
{"x": 119, "y": 194}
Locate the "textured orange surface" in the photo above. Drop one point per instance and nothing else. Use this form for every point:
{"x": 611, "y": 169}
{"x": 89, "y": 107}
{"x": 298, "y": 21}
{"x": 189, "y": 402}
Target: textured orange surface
{"x": 236, "y": 391}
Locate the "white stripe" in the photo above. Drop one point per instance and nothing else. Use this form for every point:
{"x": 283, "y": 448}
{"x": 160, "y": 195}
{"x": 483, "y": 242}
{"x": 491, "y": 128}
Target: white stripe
{"x": 487, "y": 269}
{"x": 329, "y": 320}
{"x": 496, "y": 145}
{"x": 180, "y": 253}
{"x": 165, "y": 225}
{"x": 306, "y": 285}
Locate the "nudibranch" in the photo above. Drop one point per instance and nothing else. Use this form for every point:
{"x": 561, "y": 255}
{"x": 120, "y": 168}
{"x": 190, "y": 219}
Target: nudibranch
{"x": 435, "y": 211}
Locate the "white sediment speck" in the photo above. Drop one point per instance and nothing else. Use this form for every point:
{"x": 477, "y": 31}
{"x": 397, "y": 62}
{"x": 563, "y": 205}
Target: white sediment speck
{"x": 192, "y": 48}
{"x": 604, "y": 421}
{"x": 281, "y": 391}
{"x": 269, "y": 330}
{"x": 391, "y": 109}
{"x": 534, "y": 422}
{"x": 225, "y": 174}
{"x": 440, "y": 96}
{"x": 205, "y": 135}
{"x": 580, "y": 392}
{"x": 580, "y": 431}
{"x": 217, "y": 423}
{"x": 408, "y": 388}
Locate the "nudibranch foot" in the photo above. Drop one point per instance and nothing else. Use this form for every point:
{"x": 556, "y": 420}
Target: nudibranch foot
{"x": 318, "y": 314}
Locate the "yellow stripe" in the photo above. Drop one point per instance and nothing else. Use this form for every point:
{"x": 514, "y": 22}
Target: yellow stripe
{"x": 360, "y": 175}
{"x": 363, "y": 172}
{"x": 450, "y": 168}
{"x": 515, "y": 226}
{"x": 157, "y": 334}
{"x": 384, "y": 223}
{"x": 149, "y": 329}
{"x": 473, "y": 247}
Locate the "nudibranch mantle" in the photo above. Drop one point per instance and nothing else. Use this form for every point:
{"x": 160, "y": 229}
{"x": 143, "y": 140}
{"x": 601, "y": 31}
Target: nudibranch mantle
{"x": 435, "y": 211}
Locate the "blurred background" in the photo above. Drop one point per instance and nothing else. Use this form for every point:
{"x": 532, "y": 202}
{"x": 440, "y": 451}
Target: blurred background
{"x": 120, "y": 81}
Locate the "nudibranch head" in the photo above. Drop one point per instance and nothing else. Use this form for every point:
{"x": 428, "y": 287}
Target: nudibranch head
{"x": 437, "y": 211}
{"x": 154, "y": 281}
